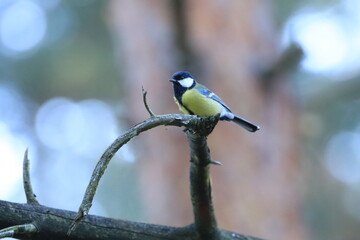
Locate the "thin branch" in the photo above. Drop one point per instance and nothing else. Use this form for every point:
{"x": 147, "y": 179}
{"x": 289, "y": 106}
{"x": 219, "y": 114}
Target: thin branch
{"x": 144, "y": 92}
{"x": 30, "y": 196}
{"x": 189, "y": 121}
{"x": 18, "y": 230}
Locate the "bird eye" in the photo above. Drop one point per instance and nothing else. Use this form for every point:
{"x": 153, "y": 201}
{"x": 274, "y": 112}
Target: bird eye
{"x": 183, "y": 76}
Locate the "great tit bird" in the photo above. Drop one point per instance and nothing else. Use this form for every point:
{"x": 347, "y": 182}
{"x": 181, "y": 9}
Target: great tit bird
{"x": 195, "y": 99}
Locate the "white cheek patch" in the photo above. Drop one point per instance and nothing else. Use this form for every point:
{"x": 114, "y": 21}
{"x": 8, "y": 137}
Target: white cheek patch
{"x": 186, "y": 82}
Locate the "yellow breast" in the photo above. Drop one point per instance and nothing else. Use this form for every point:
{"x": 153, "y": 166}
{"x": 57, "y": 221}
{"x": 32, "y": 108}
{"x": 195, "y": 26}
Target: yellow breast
{"x": 181, "y": 108}
{"x": 199, "y": 104}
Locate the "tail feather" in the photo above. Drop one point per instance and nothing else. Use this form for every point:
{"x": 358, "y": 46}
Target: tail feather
{"x": 245, "y": 124}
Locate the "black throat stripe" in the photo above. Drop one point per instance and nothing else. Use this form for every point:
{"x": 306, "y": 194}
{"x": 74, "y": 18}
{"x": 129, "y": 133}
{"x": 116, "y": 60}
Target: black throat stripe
{"x": 178, "y": 92}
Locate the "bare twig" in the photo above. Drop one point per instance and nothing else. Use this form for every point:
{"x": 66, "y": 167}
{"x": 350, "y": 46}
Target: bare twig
{"x": 216, "y": 163}
{"x": 30, "y": 196}
{"x": 144, "y": 92}
{"x": 18, "y": 230}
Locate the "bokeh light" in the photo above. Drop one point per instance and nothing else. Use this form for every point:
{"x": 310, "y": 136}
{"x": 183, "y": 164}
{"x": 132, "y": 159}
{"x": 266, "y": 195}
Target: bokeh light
{"x": 10, "y": 161}
{"x": 84, "y": 127}
{"x": 342, "y": 157}
{"x": 329, "y": 39}
{"x": 351, "y": 201}
{"x": 22, "y": 26}
{"x": 13, "y": 139}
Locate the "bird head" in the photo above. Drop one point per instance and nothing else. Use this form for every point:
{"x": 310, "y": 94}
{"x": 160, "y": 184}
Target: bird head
{"x": 184, "y": 79}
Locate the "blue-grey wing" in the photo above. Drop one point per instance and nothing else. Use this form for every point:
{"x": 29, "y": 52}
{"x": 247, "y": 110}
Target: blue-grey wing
{"x": 213, "y": 96}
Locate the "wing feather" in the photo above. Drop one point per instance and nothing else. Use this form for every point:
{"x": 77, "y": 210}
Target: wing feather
{"x": 206, "y": 92}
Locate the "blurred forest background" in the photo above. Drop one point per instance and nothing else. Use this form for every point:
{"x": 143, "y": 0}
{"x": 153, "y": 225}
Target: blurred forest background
{"x": 71, "y": 74}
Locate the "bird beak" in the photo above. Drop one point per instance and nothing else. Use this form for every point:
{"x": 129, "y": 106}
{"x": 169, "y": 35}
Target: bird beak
{"x": 172, "y": 80}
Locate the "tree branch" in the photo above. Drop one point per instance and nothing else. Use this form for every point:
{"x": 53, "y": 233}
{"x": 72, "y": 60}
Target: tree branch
{"x": 50, "y": 223}
{"x": 53, "y": 223}
{"x": 200, "y": 186}
{"x": 189, "y": 121}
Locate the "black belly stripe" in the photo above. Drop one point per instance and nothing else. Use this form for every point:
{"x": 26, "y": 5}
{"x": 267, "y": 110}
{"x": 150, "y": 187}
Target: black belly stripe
{"x": 190, "y": 112}
{"x": 178, "y": 92}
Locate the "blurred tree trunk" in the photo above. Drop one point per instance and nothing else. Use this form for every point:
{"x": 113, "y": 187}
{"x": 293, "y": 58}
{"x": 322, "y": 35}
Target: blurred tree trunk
{"x": 226, "y": 45}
